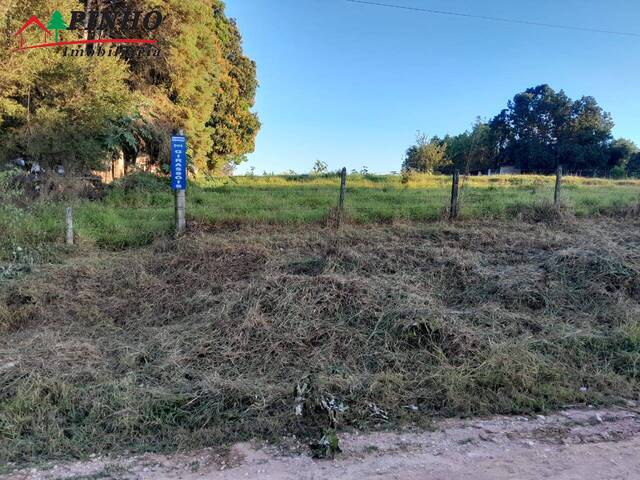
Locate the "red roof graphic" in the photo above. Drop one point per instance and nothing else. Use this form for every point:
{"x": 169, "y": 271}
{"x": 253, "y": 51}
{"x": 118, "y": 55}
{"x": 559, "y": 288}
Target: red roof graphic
{"x": 31, "y": 21}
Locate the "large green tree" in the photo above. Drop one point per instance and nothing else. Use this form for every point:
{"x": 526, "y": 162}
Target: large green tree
{"x": 78, "y": 110}
{"x": 234, "y": 125}
{"x": 201, "y": 82}
{"x": 539, "y": 130}
{"x": 542, "y": 128}
{"x": 56, "y": 109}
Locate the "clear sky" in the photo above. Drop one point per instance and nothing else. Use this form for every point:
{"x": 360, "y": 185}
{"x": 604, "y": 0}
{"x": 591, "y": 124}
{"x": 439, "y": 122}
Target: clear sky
{"x": 351, "y": 84}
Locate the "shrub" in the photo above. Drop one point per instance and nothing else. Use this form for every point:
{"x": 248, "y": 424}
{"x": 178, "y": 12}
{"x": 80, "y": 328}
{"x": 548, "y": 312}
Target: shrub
{"x": 618, "y": 172}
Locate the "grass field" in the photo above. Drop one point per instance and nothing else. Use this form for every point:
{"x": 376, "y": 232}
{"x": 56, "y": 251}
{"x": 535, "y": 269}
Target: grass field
{"x": 135, "y": 340}
{"x": 140, "y": 208}
{"x": 220, "y": 337}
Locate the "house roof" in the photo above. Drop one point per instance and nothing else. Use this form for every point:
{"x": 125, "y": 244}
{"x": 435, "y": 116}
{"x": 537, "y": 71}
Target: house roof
{"x": 31, "y": 21}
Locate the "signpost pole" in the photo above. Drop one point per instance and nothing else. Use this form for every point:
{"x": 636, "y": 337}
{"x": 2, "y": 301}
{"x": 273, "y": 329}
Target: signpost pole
{"x": 179, "y": 179}
{"x": 69, "y": 223}
{"x": 181, "y": 222}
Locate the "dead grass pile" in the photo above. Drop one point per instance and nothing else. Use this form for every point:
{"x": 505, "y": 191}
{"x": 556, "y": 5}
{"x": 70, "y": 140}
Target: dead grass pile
{"x": 225, "y": 336}
{"x": 542, "y": 212}
{"x": 620, "y": 210}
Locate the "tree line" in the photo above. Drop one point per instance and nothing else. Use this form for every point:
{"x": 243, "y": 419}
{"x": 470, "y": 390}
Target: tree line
{"x": 539, "y": 130}
{"x": 80, "y": 111}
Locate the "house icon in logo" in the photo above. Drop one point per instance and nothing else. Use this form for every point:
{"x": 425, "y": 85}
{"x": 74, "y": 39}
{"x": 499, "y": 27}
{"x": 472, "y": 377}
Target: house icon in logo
{"x": 33, "y": 21}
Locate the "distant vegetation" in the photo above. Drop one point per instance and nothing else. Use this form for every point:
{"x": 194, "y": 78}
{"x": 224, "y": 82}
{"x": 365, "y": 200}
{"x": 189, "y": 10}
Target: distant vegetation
{"x": 139, "y": 208}
{"x": 539, "y": 130}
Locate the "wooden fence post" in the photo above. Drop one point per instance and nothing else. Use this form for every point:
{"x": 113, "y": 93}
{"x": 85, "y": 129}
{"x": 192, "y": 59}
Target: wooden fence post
{"x": 343, "y": 194}
{"x": 69, "y": 223}
{"x": 453, "y": 213}
{"x": 556, "y": 196}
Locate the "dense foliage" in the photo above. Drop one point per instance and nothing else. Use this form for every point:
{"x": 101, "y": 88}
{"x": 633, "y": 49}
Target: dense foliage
{"x": 80, "y": 110}
{"x": 539, "y": 130}
{"x": 426, "y": 155}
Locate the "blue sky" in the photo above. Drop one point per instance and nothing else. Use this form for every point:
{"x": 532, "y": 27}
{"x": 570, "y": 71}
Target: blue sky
{"x": 351, "y": 84}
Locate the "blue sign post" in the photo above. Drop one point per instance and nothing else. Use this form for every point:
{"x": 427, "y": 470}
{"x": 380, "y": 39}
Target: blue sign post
{"x": 179, "y": 162}
{"x": 179, "y": 179}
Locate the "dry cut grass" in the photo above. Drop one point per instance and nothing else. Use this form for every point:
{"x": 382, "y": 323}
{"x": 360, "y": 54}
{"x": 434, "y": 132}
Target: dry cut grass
{"x": 222, "y": 336}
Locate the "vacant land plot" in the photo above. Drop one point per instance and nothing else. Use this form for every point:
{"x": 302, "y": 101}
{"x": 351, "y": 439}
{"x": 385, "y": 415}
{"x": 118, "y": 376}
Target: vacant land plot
{"x": 139, "y": 209}
{"x": 242, "y": 332}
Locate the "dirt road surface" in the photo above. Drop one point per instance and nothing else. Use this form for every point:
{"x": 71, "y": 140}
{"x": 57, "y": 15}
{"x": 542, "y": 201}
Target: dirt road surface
{"x": 573, "y": 444}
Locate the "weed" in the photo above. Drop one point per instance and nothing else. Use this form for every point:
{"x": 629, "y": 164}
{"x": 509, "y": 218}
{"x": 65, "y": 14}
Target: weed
{"x": 327, "y": 447}
{"x": 267, "y": 331}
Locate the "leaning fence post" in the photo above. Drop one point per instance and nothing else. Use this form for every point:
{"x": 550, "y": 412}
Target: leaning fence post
{"x": 69, "y": 222}
{"x": 556, "y": 196}
{"x": 343, "y": 194}
{"x": 453, "y": 213}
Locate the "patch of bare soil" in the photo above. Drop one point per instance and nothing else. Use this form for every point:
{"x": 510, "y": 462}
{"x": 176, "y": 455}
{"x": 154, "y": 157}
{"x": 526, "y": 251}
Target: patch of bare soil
{"x": 572, "y": 444}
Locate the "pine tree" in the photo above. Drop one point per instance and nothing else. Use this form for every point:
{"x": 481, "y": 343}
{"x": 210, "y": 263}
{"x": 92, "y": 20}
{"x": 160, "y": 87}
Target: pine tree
{"x": 57, "y": 23}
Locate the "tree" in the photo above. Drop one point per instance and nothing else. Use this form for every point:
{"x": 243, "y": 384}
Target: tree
{"x": 426, "y": 156}
{"x": 471, "y": 150}
{"x": 56, "y": 109}
{"x": 539, "y": 130}
{"x": 202, "y": 82}
{"x": 319, "y": 168}
{"x": 585, "y": 146}
{"x": 633, "y": 165}
{"x": 621, "y": 152}
{"x": 234, "y": 125}
{"x": 57, "y": 23}
{"x": 542, "y": 128}
{"x": 80, "y": 109}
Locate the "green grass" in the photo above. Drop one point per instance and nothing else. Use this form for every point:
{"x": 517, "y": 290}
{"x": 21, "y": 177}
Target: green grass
{"x": 140, "y": 208}
{"x": 372, "y": 199}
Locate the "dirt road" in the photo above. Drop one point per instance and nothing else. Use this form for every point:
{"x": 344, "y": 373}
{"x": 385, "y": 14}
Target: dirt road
{"x": 574, "y": 444}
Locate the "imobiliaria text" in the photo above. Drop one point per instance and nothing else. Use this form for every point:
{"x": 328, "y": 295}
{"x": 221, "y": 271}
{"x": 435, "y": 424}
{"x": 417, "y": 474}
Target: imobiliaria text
{"x": 105, "y": 32}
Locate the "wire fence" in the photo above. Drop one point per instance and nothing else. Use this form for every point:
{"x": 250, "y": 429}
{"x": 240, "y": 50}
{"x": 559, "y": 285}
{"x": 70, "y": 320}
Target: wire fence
{"x": 357, "y": 200}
